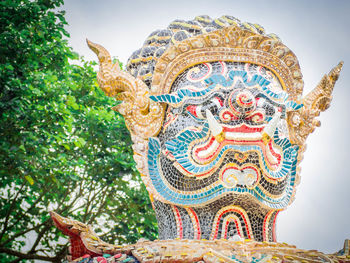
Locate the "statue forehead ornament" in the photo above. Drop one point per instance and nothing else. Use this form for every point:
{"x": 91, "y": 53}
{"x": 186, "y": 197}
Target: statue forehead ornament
{"x": 236, "y": 42}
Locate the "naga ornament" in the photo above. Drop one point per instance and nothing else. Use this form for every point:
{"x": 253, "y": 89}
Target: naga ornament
{"x": 219, "y": 123}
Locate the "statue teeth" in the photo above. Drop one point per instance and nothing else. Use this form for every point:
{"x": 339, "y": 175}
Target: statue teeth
{"x": 269, "y": 130}
{"x": 215, "y": 126}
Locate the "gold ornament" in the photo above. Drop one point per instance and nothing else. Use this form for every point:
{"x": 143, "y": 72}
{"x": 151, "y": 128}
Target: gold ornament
{"x": 143, "y": 117}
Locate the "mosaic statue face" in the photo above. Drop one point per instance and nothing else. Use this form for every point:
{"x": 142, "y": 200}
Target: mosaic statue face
{"x": 225, "y": 132}
{"x": 219, "y": 124}
{"x": 225, "y": 140}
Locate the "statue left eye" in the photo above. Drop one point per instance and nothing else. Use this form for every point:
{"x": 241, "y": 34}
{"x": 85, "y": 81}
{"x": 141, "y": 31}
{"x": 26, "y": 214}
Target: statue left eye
{"x": 196, "y": 111}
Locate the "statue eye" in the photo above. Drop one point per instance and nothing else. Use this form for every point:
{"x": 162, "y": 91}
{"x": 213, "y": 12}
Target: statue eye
{"x": 260, "y": 102}
{"x": 218, "y": 102}
{"x": 270, "y": 107}
{"x": 198, "y": 111}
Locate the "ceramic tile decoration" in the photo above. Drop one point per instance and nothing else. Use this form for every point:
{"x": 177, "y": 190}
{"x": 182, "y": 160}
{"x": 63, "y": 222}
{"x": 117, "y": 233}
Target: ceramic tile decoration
{"x": 219, "y": 123}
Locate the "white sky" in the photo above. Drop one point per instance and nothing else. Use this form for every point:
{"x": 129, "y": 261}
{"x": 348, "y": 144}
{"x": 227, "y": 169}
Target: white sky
{"x": 317, "y": 32}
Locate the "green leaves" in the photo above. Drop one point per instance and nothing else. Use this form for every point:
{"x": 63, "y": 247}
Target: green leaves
{"x": 29, "y": 179}
{"x": 61, "y": 146}
{"x": 79, "y": 142}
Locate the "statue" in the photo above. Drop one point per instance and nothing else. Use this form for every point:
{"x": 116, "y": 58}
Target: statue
{"x": 219, "y": 123}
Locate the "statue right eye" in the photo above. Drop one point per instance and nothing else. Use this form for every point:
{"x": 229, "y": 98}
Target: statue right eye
{"x": 198, "y": 111}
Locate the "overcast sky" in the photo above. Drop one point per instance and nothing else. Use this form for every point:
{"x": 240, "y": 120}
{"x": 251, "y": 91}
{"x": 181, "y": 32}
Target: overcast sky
{"x": 316, "y": 31}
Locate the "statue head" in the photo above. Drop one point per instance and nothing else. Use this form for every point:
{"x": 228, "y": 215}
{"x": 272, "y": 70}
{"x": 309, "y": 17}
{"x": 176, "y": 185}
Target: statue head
{"x": 218, "y": 121}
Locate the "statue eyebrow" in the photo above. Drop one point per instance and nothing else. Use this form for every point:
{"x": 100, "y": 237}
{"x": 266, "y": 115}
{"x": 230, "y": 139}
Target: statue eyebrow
{"x": 192, "y": 95}
{"x": 212, "y": 82}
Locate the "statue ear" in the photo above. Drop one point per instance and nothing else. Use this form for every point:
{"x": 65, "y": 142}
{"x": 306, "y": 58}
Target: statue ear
{"x": 320, "y": 97}
{"x": 143, "y": 116}
{"x": 303, "y": 121}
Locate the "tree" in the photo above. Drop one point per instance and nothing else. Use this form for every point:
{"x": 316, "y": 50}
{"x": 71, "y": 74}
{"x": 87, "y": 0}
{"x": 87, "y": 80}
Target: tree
{"x": 61, "y": 146}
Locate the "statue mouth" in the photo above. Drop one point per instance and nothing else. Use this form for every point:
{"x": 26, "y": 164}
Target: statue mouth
{"x": 242, "y": 135}
{"x": 205, "y": 155}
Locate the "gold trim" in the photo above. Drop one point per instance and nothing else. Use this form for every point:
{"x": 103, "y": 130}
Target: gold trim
{"x": 228, "y": 44}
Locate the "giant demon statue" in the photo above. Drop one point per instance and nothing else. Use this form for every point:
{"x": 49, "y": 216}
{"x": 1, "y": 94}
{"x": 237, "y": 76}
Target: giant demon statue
{"x": 218, "y": 122}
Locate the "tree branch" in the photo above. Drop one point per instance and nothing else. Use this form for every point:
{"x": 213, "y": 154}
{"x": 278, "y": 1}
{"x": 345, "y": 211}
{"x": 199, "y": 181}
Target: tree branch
{"x": 25, "y": 256}
{"x": 30, "y": 208}
{"x": 10, "y": 210}
{"x": 22, "y": 233}
{"x": 16, "y": 260}
{"x": 95, "y": 197}
{"x": 22, "y": 256}
{"x": 40, "y": 235}
{"x": 104, "y": 200}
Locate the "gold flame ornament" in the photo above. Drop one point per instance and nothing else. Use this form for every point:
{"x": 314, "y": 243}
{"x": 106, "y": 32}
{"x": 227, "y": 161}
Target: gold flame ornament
{"x": 143, "y": 117}
{"x": 303, "y": 121}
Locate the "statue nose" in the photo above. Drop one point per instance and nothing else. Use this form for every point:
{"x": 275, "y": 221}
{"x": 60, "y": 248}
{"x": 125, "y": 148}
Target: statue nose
{"x": 242, "y": 102}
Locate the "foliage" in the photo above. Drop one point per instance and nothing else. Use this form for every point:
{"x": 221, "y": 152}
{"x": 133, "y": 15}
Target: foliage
{"x": 62, "y": 148}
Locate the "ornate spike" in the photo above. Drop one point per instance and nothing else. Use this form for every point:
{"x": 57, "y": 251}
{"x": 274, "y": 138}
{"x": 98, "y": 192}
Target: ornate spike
{"x": 143, "y": 116}
{"x": 139, "y": 112}
{"x": 320, "y": 97}
{"x": 303, "y": 122}
{"x": 100, "y": 51}
{"x": 110, "y": 78}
